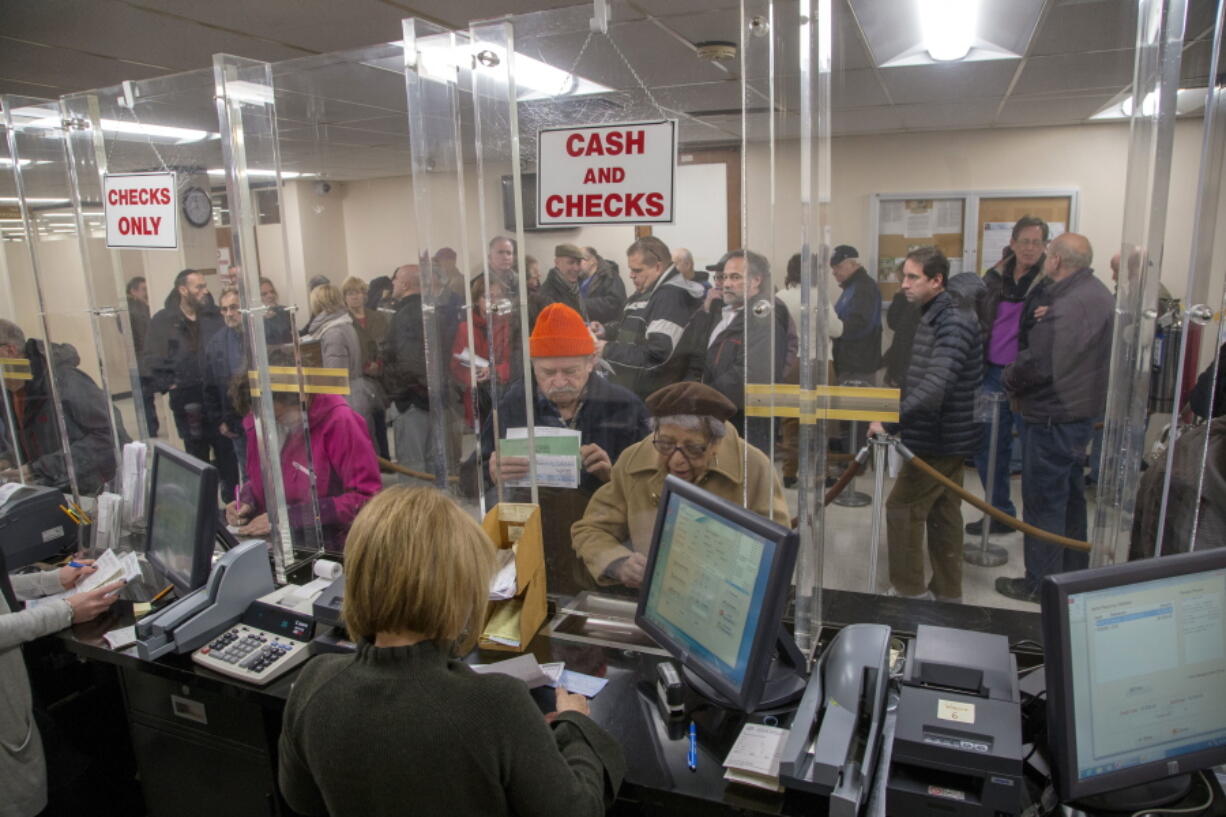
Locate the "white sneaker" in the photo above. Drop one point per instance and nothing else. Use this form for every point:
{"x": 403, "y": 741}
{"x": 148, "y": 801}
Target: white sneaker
{"x": 925, "y": 596}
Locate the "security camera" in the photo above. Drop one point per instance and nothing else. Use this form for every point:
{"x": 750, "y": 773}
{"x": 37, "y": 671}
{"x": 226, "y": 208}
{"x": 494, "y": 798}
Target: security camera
{"x": 322, "y": 188}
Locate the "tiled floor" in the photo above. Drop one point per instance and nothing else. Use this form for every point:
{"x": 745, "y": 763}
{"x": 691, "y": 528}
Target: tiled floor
{"x": 848, "y": 547}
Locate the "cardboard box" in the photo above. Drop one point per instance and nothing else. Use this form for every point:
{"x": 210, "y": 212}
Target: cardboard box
{"x": 509, "y": 524}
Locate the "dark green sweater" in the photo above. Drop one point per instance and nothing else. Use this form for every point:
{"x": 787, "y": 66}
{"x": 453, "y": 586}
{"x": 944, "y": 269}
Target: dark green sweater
{"x": 406, "y": 731}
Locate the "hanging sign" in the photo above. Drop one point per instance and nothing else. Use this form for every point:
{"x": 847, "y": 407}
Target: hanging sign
{"x": 607, "y": 174}
{"x": 141, "y": 211}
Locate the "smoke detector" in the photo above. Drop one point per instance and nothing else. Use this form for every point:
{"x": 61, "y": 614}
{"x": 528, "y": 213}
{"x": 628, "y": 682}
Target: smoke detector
{"x": 716, "y": 51}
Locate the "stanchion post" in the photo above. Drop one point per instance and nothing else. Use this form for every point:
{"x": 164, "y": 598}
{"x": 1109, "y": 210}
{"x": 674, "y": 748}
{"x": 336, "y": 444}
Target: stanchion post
{"x": 983, "y": 553}
{"x": 851, "y": 498}
{"x": 880, "y": 449}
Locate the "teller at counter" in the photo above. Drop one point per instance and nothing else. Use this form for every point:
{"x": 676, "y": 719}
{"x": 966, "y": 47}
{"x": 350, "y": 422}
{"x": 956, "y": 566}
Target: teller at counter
{"x": 692, "y": 440}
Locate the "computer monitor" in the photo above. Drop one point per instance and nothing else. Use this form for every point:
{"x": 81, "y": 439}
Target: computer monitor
{"x": 1135, "y": 658}
{"x": 714, "y": 592}
{"x": 182, "y": 518}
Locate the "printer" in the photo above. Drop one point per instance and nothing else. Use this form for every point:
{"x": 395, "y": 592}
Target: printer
{"x": 958, "y": 737}
{"x": 330, "y": 634}
{"x": 33, "y": 528}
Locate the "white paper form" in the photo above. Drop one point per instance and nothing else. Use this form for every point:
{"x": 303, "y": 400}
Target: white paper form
{"x": 892, "y": 218}
{"x": 557, "y": 455}
{"x": 948, "y": 213}
{"x": 111, "y": 568}
{"x": 754, "y": 758}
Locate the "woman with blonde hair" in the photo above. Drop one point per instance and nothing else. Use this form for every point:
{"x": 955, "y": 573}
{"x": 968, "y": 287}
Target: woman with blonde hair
{"x": 401, "y": 725}
{"x": 332, "y": 326}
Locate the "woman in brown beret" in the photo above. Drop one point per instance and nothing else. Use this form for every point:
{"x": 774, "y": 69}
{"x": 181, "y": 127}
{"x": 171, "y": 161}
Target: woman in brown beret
{"x": 692, "y": 440}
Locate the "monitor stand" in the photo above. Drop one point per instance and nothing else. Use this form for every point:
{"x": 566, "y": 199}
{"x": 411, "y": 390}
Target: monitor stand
{"x": 785, "y": 680}
{"x": 1142, "y": 797}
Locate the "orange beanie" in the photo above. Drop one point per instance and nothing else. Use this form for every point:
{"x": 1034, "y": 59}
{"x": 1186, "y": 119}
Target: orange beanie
{"x": 561, "y": 332}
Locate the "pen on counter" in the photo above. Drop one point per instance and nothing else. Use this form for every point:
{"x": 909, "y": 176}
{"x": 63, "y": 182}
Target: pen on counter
{"x": 162, "y": 594}
{"x": 75, "y": 563}
{"x": 692, "y": 758}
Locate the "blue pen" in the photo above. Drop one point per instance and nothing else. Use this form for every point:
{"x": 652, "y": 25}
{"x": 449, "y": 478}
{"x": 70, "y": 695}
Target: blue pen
{"x": 692, "y": 758}
{"x": 75, "y": 563}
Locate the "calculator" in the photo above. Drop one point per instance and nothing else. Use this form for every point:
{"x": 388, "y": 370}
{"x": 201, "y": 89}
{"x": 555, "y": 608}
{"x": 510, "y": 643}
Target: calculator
{"x": 268, "y": 641}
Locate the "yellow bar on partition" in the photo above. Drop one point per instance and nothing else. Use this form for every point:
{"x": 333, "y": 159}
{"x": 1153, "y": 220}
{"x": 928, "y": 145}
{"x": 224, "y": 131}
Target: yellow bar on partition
{"x": 867, "y": 404}
{"x": 16, "y": 368}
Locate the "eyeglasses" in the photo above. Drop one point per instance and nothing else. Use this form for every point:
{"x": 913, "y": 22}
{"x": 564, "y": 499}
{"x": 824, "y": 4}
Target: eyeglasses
{"x": 691, "y": 451}
{"x": 718, "y": 277}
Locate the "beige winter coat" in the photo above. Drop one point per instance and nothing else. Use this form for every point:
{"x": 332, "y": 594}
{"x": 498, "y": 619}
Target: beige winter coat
{"x": 621, "y": 515}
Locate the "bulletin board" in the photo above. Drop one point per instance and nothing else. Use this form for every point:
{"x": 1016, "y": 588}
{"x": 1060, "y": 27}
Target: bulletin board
{"x": 998, "y": 215}
{"x": 906, "y": 224}
{"x": 966, "y": 225}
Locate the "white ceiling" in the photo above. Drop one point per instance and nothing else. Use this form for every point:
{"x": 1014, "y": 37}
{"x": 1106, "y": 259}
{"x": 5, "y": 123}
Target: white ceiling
{"x": 346, "y": 116}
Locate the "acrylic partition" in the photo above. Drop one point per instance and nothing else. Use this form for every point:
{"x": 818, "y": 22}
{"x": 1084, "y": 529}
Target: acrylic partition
{"x": 179, "y": 355}
{"x": 380, "y": 310}
{"x": 750, "y": 137}
{"x": 992, "y": 158}
{"x": 61, "y": 384}
{"x": 1166, "y": 377}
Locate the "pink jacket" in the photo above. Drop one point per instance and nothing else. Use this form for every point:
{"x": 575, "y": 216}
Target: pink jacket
{"x": 346, "y": 470}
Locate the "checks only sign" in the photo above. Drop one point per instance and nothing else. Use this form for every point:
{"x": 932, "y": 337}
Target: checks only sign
{"x": 607, "y": 174}
{"x": 141, "y": 211}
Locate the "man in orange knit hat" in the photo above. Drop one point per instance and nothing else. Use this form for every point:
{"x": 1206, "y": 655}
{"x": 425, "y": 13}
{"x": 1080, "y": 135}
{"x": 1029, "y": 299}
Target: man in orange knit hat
{"x": 567, "y": 393}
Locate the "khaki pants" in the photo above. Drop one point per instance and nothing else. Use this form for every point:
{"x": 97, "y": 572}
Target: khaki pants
{"x": 918, "y": 503}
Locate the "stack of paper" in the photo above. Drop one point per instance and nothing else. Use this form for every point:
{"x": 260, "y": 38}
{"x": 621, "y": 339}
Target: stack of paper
{"x": 503, "y": 626}
{"x": 754, "y": 759}
{"x": 525, "y": 668}
{"x": 134, "y": 457}
{"x": 505, "y": 580}
{"x": 108, "y": 517}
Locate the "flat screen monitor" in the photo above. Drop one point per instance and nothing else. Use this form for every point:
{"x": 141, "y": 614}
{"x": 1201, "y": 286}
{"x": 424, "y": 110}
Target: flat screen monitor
{"x": 1135, "y": 658}
{"x": 182, "y": 519}
{"x": 715, "y": 588}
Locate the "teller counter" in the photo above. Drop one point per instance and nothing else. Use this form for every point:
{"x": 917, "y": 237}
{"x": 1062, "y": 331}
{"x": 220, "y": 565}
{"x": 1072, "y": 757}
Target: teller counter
{"x": 207, "y": 744}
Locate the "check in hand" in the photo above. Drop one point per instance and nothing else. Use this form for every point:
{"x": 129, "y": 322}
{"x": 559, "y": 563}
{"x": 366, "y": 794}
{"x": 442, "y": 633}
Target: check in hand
{"x": 508, "y": 468}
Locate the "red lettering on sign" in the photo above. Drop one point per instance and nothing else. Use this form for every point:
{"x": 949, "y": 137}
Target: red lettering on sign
{"x": 553, "y": 207}
{"x": 655, "y": 204}
{"x": 616, "y": 143}
{"x": 139, "y": 225}
{"x": 131, "y": 196}
{"x": 607, "y": 205}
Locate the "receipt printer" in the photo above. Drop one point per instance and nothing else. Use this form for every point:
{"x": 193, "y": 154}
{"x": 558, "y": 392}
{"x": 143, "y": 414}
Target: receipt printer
{"x": 32, "y": 526}
{"x": 958, "y": 738}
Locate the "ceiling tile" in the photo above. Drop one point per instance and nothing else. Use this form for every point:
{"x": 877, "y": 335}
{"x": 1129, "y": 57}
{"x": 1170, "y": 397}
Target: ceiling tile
{"x": 865, "y": 120}
{"x": 948, "y": 83}
{"x": 1051, "y": 110}
{"x": 1099, "y": 69}
{"x": 947, "y": 116}
{"x": 1076, "y": 26}
{"x": 856, "y": 89}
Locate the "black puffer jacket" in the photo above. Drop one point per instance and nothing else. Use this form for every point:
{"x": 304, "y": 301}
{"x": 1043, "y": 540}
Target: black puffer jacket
{"x": 87, "y": 418}
{"x": 937, "y": 415}
{"x": 644, "y": 355}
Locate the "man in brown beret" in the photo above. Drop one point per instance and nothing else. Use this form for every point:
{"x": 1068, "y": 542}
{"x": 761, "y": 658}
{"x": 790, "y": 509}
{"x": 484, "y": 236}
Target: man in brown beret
{"x": 692, "y": 440}
{"x": 561, "y": 286}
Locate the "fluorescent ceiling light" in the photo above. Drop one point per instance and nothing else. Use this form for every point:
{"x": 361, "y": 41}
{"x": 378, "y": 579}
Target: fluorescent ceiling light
{"x": 533, "y": 79}
{"x": 260, "y": 172}
{"x": 1187, "y": 100}
{"x": 7, "y": 162}
{"x": 15, "y": 200}
{"x": 38, "y": 118}
{"x": 245, "y": 91}
{"x": 948, "y": 27}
